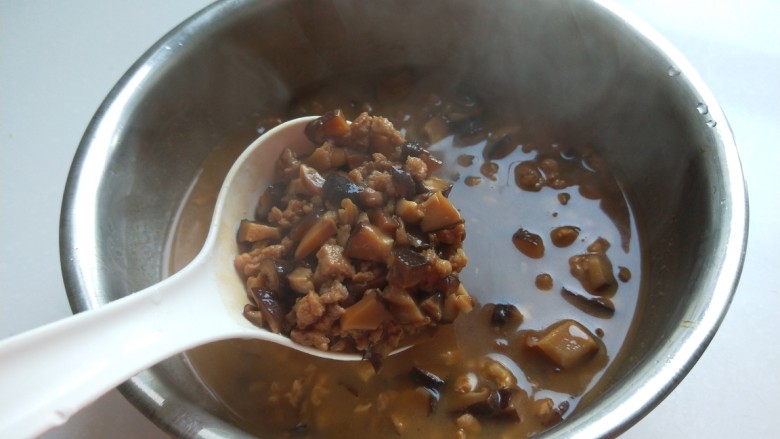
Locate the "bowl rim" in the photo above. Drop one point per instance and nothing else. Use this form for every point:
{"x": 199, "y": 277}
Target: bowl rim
{"x": 615, "y": 413}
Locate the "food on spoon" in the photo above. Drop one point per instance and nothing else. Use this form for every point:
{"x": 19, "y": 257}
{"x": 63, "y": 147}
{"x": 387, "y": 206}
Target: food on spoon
{"x": 356, "y": 245}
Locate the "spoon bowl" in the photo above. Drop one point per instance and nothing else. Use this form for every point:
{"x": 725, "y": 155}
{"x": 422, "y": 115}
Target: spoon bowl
{"x": 42, "y": 372}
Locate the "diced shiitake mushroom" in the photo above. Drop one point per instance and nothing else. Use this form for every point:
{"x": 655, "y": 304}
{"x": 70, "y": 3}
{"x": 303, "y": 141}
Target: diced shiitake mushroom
{"x": 331, "y": 125}
{"x": 271, "y": 197}
{"x": 567, "y": 344}
{"x": 488, "y": 391}
{"x": 320, "y": 232}
{"x": 409, "y": 211}
{"x": 386, "y": 223}
{"x": 407, "y": 268}
{"x": 596, "y": 306}
{"x": 270, "y": 307}
{"x": 367, "y": 314}
{"x": 299, "y": 230}
{"x": 594, "y": 271}
{"x": 436, "y": 184}
{"x": 337, "y": 187}
{"x": 486, "y": 402}
{"x": 425, "y": 378}
{"x": 273, "y": 274}
{"x": 403, "y": 183}
{"x": 251, "y": 231}
{"x": 368, "y": 243}
{"x": 402, "y": 305}
{"x": 439, "y": 213}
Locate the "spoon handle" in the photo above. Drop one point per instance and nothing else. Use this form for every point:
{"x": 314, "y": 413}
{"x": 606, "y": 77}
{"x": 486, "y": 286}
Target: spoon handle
{"x": 49, "y": 373}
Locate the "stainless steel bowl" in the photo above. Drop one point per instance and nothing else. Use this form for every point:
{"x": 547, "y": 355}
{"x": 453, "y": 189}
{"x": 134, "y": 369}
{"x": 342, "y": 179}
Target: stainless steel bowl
{"x": 576, "y": 62}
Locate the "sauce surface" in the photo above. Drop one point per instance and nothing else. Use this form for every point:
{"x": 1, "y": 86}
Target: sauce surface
{"x": 275, "y": 392}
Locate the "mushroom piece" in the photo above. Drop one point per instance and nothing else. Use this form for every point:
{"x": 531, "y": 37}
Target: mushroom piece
{"x": 486, "y": 402}
{"x": 270, "y": 198}
{"x": 408, "y": 211}
{"x": 425, "y": 378}
{"x": 271, "y": 308}
{"x": 407, "y": 268}
{"x": 332, "y": 125}
{"x": 368, "y": 243}
{"x": 601, "y": 307}
{"x": 300, "y": 280}
{"x": 253, "y": 314}
{"x": 566, "y": 343}
{"x": 405, "y": 187}
{"x": 299, "y": 229}
{"x": 288, "y": 164}
{"x": 385, "y": 222}
{"x": 412, "y": 149}
{"x": 439, "y": 213}
{"x": 320, "y": 232}
{"x": 434, "y": 184}
{"x": 367, "y": 314}
{"x": 594, "y": 271}
{"x": 504, "y": 313}
{"x": 402, "y": 305}
{"x": 273, "y": 274}
{"x": 337, "y": 187}
{"x": 251, "y": 231}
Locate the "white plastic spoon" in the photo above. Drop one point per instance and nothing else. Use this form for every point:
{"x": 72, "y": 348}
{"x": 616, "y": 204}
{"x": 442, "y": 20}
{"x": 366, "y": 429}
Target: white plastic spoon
{"x": 48, "y": 374}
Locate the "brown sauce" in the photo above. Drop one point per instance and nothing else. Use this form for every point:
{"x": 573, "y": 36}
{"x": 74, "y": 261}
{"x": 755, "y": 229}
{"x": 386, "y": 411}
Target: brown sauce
{"x": 272, "y": 391}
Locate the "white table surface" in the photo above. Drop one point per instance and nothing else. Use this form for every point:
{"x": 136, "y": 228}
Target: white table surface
{"x": 59, "y": 59}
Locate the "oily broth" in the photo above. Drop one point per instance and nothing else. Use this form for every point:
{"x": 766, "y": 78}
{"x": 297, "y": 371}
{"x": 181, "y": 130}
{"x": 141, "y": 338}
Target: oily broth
{"x": 257, "y": 382}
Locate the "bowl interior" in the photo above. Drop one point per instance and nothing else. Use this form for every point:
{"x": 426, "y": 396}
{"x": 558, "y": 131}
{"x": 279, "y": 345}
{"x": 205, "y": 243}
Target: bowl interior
{"x": 578, "y": 65}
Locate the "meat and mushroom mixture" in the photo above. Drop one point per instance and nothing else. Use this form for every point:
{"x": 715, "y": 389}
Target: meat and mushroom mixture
{"x": 334, "y": 255}
{"x": 355, "y": 245}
